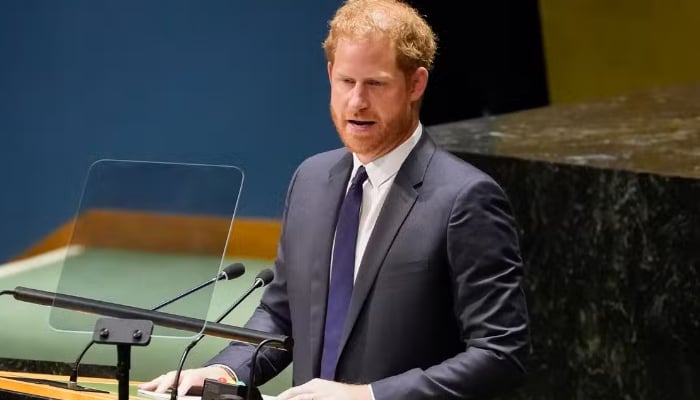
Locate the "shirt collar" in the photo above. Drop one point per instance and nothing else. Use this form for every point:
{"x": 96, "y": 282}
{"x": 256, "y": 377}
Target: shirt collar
{"x": 387, "y": 166}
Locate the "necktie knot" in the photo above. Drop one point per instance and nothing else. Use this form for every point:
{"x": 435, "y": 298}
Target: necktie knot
{"x": 360, "y": 176}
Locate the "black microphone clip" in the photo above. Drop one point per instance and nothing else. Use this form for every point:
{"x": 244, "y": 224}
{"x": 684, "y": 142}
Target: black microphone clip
{"x": 215, "y": 390}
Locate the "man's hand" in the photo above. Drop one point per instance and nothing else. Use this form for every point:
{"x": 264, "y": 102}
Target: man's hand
{"x": 319, "y": 389}
{"x": 190, "y": 379}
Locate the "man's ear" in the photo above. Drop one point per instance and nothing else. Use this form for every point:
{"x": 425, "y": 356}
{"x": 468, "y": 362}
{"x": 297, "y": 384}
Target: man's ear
{"x": 330, "y": 69}
{"x": 419, "y": 81}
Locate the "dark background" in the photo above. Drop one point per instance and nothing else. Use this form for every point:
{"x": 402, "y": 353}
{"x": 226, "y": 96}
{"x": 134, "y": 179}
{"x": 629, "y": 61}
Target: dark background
{"x": 490, "y": 59}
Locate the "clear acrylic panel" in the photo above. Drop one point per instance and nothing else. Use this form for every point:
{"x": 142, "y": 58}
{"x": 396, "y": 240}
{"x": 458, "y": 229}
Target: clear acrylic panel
{"x": 146, "y": 232}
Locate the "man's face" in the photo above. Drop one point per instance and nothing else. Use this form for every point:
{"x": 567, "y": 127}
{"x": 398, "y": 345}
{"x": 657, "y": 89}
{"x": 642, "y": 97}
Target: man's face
{"x": 371, "y": 97}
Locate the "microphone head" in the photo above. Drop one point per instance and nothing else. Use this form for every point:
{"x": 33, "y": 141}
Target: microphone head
{"x": 232, "y": 271}
{"x": 265, "y": 276}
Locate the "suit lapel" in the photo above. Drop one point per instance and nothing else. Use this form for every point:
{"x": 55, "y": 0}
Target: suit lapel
{"x": 333, "y": 191}
{"x": 399, "y": 202}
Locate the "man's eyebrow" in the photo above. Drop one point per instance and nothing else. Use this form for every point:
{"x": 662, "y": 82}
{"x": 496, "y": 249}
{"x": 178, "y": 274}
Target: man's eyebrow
{"x": 343, "y": 76}
{"x": 378, "y": 77}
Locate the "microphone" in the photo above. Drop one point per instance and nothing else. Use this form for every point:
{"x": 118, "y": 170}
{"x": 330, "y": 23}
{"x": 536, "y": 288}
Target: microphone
{"x": 232, "y": 271}
{"x": 263, "y": 278}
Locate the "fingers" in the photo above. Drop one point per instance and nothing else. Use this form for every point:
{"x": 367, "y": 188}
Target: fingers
{"x": 296, "y": 393}
{"x": 150, "y": 385}
{"x": 159, "y": 384}
{"x": 290, "y": 393}
{"x": 307, "y": 391}
{"x": 165, "y": 382}
{"x": 190, "y": 380}
{"x": 319, "y": 389}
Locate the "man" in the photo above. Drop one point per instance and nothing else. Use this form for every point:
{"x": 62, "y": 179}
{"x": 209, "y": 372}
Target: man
{"x": 436, "y": 309}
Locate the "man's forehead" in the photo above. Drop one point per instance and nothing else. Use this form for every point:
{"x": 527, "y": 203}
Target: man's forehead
{"x": 372, "y": 48}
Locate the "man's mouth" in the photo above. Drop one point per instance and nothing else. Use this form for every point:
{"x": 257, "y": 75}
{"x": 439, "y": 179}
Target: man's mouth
{"x": 360, "y": 123}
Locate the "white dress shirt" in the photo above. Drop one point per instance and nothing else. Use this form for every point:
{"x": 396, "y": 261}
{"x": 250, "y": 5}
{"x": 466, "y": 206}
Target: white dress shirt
{"x": 380, "y": 177}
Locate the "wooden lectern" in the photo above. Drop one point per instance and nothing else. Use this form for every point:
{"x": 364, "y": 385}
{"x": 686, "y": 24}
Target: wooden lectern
{"x": 12, "y": 388}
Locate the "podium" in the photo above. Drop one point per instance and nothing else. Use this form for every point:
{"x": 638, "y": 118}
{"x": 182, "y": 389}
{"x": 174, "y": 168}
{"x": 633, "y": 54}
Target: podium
{"x": 18, "y": 386}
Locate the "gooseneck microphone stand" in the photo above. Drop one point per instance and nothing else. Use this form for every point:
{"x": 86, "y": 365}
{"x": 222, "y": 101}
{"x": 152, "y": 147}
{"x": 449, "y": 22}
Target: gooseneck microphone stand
{"x": 262, "y": 279}
{"x": 251, "y": 377}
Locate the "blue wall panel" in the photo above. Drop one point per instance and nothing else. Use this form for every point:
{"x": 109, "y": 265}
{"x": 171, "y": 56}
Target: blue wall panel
{"x": 217, "y": 82}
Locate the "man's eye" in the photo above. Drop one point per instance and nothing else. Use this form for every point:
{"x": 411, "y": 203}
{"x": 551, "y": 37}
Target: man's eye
{"x": 375, "y": 83}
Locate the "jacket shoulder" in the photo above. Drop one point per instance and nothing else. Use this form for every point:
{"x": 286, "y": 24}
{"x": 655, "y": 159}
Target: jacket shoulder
{"x": 321, "y": 163}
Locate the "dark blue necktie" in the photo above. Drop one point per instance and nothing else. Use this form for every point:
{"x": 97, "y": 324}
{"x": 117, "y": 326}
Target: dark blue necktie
{"x": 342, "y": 273}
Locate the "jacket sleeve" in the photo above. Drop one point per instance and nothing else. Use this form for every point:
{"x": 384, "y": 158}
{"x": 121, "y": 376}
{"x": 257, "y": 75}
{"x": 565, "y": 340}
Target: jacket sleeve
{"x": 489, "y": 303}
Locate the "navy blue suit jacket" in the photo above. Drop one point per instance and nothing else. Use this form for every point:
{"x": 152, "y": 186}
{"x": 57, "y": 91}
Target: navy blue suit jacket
{"x": 437, "y": 310}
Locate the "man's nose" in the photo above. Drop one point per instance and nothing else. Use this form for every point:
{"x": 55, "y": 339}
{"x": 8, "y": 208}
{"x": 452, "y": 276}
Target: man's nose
{"x": 358, "y": 98}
